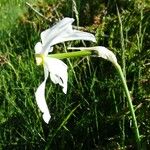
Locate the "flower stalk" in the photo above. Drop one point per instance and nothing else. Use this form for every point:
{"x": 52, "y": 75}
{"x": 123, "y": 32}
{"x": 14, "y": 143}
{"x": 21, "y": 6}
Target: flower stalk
{"x": 126, "y": 90}
{"x": 68, "y": 54}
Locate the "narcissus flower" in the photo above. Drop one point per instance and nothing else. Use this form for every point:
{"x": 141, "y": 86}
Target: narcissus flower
{"x": 60, "y": 32}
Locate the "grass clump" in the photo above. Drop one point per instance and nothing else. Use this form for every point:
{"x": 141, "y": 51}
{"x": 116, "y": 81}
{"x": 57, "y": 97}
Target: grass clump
{"x": 94, "y": 113}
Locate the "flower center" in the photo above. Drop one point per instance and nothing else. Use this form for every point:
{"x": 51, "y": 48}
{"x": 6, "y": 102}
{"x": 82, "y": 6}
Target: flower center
{"x": 39, "y": 59}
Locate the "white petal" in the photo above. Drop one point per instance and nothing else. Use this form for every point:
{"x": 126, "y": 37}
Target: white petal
{"x": 40, "y": 99}
{"x": 38, "y": 48}
{"x": 102, "y": 52}
{"x": 73, "y": 35}
{"x": 58, "y": 72}
{"x": 62, "y": 32}
{"x": 53, "y": 32}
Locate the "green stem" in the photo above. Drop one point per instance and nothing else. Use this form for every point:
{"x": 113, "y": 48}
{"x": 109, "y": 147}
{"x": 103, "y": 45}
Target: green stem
{"x": 71, "y": 54}
{"x": 136, "y": 130}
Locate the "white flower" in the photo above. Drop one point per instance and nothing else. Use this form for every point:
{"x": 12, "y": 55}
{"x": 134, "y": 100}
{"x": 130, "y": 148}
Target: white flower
{"x": 60, "y": 32}
{"x": 101, "y": 52}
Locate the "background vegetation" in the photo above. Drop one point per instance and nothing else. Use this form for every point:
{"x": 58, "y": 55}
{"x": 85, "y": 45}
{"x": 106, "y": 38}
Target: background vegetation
{"x": 94, "y": 113}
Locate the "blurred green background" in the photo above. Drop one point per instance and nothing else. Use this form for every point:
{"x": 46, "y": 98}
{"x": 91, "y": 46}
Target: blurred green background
{"x": 94, "y": 114}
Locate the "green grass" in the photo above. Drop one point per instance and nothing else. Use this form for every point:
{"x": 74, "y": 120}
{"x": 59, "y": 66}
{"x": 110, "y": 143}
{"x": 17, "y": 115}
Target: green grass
{"x": 94, "y": 113}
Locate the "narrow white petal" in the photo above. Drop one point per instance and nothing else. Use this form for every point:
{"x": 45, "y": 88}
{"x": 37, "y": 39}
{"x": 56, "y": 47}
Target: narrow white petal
{"x": 62, "y": 32}
{"x": 40, "y": 99}
{"x": 58, "y": 72}
{"x": 102, "y": 52}
{"x": 73, "y": 35}
{"x": 53, "y": 32}
{"x": 38, "y": 48}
